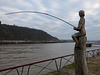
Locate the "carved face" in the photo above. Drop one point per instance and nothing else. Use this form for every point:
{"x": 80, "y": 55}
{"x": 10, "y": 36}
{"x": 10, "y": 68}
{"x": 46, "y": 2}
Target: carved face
{"x": 81, "y": 13}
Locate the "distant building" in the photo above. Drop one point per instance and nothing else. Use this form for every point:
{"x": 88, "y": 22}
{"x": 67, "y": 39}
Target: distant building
{"x": 0, "y": 22}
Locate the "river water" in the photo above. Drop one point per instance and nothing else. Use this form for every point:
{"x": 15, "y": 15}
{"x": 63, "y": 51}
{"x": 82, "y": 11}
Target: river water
{"x": 18, "y": 54}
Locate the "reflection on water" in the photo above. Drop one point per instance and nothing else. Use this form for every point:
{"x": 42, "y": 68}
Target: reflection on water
{"x": 18, "y": 54}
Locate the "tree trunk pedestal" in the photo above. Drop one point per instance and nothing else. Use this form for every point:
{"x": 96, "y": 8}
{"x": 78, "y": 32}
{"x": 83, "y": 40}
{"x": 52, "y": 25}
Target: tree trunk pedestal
{"x": 80, "y": 57}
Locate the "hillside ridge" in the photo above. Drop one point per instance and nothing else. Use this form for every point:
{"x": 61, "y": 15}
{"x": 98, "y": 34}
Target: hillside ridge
{"x": 12, "y": 32}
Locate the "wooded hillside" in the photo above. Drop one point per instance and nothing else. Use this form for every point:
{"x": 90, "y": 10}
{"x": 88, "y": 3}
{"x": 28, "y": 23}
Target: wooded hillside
{"x": 9, "y": 32}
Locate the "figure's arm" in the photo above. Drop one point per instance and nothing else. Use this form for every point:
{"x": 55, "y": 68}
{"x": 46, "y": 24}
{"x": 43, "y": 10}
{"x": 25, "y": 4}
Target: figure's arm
{"x": 80, "y": 26}
{"x": 76, "y": 28}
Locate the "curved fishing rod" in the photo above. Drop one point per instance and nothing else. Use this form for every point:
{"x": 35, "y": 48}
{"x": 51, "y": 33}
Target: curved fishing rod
{"x": 40, "y": 13}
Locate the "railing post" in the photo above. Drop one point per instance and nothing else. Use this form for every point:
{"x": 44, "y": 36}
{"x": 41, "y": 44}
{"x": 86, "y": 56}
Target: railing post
{"x": 93, "y": 53}
{"x": 60, "y": 64}
{"x": 22, "y": 70}
{"x": 17, "y": 71}
{"x": 98, "y": 52}
{"x": 56, "y": 65}
{"x": 28, "y": 69}
{"x": 87, "y": 56}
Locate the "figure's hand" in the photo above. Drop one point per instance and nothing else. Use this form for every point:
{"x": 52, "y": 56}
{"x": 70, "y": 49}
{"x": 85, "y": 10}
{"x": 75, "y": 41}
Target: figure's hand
{"x": 75, "y": 28}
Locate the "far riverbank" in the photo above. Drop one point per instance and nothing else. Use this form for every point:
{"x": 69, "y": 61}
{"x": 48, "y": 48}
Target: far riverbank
{"x": 32, "y": 42}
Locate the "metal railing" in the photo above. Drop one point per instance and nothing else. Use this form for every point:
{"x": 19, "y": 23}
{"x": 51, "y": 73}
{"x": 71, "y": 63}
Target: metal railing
{"x": 50, "y": 64}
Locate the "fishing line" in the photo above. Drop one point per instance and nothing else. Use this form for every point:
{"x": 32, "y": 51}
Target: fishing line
{"x": 40, "y": 13}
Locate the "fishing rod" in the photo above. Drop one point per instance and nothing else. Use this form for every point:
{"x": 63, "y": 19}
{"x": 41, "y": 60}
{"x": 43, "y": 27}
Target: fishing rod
{"x": 40, "y": 13}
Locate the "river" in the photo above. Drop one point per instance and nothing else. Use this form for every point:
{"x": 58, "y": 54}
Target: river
{"x": 18, "y": 54}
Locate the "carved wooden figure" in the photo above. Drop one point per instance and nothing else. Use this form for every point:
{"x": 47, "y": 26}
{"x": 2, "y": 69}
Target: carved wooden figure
{"x": 80, "y": 46}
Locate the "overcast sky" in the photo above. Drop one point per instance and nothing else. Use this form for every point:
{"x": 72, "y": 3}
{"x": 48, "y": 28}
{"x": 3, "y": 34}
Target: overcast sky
{"x": 65, "y": 9}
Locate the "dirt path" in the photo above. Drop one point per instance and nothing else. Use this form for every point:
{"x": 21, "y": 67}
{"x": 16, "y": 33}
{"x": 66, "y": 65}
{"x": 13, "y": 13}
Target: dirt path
{"x": 94, "y": 65}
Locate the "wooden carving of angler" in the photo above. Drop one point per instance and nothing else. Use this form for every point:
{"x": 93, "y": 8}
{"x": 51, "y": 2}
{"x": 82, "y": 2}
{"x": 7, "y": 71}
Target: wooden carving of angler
{"x": 80, "y": 46}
